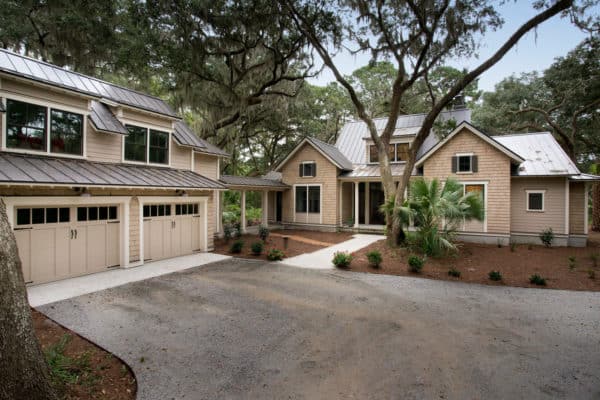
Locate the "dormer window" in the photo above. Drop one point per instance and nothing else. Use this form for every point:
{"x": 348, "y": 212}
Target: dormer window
{"x": 308, "y": 169}
{"x": 464, "y": 163}
{"x": 146, "y": 145}
{"x": 398, "y": 152}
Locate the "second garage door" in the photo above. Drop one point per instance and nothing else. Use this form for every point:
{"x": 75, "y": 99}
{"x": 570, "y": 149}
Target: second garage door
{"x": 172, "y": 230}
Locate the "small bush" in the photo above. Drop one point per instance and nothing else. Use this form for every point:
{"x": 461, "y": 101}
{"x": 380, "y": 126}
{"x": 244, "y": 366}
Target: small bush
{"x": 263, "y": 232}
{"x": 257, "y": 248}
{"x": 537, "y": 280}
{"x": 547, "y": 237}
{"x": 227, "y": 232}
{"x": 591, "y": 274}
{"x": 572, "y": 263}
{"x": 342, "y": 259}
{"x": 415, "y": 264}
{"x": 275, "y": 255}
{"x": 495, "y": 276}
{"x": 237, "y": 229}
{"x": 454, "y": 272}
{"x": 594, "y": 259}
{"x": 374, "y": 258}
{"x": 236, "y": 247}
{"x": 513, "y": 246}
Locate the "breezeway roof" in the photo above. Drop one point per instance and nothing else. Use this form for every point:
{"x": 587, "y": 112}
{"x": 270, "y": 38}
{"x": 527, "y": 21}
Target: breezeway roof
{"x": 251, "y": 181}
{"x": 41, "y": 170}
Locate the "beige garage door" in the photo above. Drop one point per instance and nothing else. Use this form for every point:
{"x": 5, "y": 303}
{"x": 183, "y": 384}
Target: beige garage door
{"x": 61, "y": 242}
{"x": 172, "y": 230}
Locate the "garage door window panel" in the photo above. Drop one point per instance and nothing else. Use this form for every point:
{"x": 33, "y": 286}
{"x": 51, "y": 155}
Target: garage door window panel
{"x": 39, "y": 215}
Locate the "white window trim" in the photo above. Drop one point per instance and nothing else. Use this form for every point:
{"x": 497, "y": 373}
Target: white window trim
{"x": 485, "y": 200}
{"x": 458, "y": 155}
{"x": 49, "y": 105}
{"x": 126, "y": 121}
{"x": 307, "y": 185}
{"x": 536, "y": 191}
{"x": 307, "y": 162}
{"x": 122, "y": 201}
{"x": 142, "y": 200}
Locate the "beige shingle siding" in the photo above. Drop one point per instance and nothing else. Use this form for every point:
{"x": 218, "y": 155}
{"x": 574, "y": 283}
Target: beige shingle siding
{"x": 577, "y": 208}
{"x": 134, "y": 230}
{"x": 181, "y": 157}
{"x": 103, "y": 147}
{"x": 211, "y": 220}
{"x": 553, "y": 215}
{"x": 326, "y": 176}
{"x": 347, "y": 196}
{"x": 206, "y": 165}
{"x": 493, "y": 168}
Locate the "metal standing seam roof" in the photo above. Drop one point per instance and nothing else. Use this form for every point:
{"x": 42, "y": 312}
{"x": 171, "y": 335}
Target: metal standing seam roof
{"x": 250, "y": 181}
{"x": 29, "y": 68}
{"x": 351, "y": 141}
{"x": 371, "y": 171}
{"x": 333, "y": 153}
{"x": 542, "y": 153}
{"x": 103, "y": 119}
{"x": 41, "y": 170}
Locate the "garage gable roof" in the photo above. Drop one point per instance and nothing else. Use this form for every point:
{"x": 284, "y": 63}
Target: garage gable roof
{"x": 41, "y": 170}
{"x": 327, "y": 150}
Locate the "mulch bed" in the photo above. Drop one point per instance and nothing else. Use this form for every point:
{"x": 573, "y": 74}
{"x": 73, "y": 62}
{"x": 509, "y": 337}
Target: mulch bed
{"x": 294, "y": 248}
{"x": 475, "y": 261}
{"x": 104, "y": 375}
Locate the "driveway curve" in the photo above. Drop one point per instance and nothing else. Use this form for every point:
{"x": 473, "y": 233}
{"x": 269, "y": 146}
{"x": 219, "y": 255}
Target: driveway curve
{"x": 240, "y": 329}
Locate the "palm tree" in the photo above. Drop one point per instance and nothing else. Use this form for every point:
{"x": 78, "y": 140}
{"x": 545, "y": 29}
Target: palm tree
{"x": 438, "y": 209}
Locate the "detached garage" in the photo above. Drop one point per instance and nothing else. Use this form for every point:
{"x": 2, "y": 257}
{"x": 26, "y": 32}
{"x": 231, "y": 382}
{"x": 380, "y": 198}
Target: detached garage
{"x": 80, "y": 217}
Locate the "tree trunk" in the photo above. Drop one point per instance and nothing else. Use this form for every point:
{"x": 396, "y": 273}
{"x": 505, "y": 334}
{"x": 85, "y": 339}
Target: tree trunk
{"x": 596, "y": 205}
{"x": 25, "y": 374}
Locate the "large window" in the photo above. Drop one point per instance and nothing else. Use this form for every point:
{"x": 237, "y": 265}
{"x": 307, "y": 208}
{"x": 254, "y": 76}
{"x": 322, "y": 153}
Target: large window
{"x": 308, "y": 199}
{"x": 66, "y": 132}
{"x": 535, "y": 200}
{"x": 145, "y": 145}
{"x": 397, "y": 152}
{"x": 27, "y": 125}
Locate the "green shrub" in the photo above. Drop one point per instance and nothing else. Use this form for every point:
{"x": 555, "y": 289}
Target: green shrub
{"x": 454, "y": 272}
{"x": 594, "y": 258}
{"x": 572, "y": 263}
{"x": 547, "y": 237}
{"x": 513, "y": 246}
{"x": 227, "y": 232}
{"x": 495, "y": 276}
{"x": 275, "y": 255}
{"x": 342, "y": 259}
{"x": 537, "y": 280}
{"x": 237, "y": 226}
{"x": 236, "y": 247}
{"x": 591, "y": 274}
{"x": 415, "y": 264}
{"x": 374, "y": 257}
{"x": 257, "y": 248}
{"x": 263, "y": 232}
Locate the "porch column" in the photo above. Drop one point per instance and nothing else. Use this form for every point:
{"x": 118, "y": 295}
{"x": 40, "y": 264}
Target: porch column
{"x": 265, "y": 208}
{"x": 243, "y": 211}
{"x": 218, "y": 211}
{"x": 356, "y": 208}
{"x": 367, "y": 205}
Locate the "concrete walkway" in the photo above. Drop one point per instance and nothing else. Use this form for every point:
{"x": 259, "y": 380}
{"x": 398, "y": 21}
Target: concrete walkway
{"x": 321, "y": 259}
{"x": 68, "y": 288}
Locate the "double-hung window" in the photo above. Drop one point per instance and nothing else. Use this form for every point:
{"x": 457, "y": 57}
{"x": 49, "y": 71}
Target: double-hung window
{"x": 308, "y": 169}
{"x": 27, "y": 129}
{"x": 308, "y": 199}
{"x": 146, "y": 145}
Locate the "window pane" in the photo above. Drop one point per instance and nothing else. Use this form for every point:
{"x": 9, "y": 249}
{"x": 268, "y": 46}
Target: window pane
{"x": 536, "y": 201}
{"x": 373, "y": 154}
{"x": 464, "y": 163}
{"x": 103, "y": 213}
{"x": 159, "y": 147}
{"x": 37, "y": 215}
{"x": 66, "y": 132}
{"x": 135, "y": 144}
{"x": 178, "y": 209}
{"x": 301, "y": 199}
{"x": 161, "y": 210}
{"x": 64, "y": 214}
{"x": 154, "y": 211}
{"x": 51, "y": 215}
{"x": 190, "y": 208}
{"x": 314, "y": 199}
{"x": 92, "y": 213}
{"x": 392, "y": 152}
{"x": 26, "y": 126}
{"x": 402, "y": 151}
{"x": 23, "y": 216}
{"x": 112, "y": 212}
{"x": 167, "y": 209}
{"x": 195, "y": 208}
{"x": 81, "y": 214}
{"x": 146, "y": 211}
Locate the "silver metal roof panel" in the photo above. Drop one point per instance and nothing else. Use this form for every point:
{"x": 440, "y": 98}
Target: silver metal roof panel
{"x": 232, "y": 180}
{"x": 103, "y": 119}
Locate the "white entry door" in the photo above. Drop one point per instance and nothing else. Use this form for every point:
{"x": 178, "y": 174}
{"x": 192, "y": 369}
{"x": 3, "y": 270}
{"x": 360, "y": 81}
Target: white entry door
{"x": 172, "y": 230}
{"x": 61, "y": 242}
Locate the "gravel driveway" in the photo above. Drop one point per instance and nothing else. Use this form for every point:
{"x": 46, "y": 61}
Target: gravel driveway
{"x": 240, "y": 329}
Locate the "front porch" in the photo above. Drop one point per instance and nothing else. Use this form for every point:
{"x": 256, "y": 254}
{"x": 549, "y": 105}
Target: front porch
{"x": 360, "y": 202}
